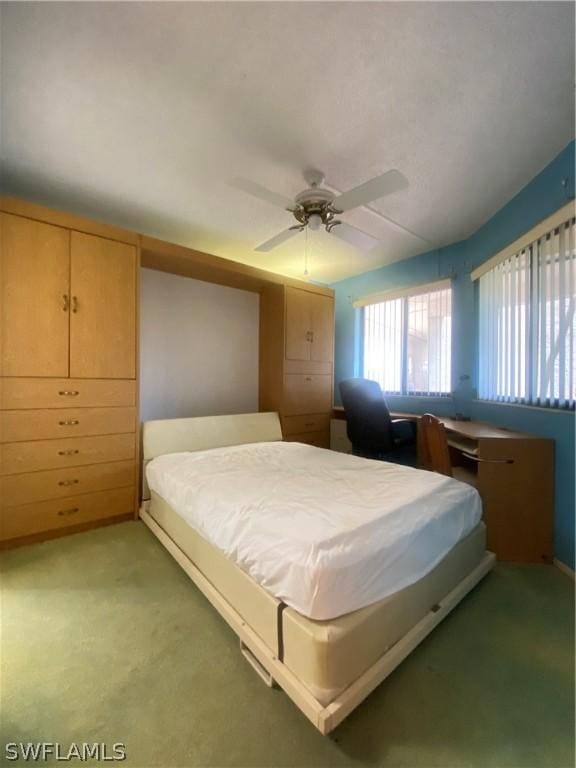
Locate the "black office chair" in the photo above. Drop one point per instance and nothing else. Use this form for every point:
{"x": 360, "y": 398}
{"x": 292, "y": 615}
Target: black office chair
{"x": 371, "y": 430}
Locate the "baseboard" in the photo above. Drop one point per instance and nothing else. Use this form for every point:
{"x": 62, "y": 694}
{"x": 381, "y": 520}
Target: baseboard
{"x": 564, "y": 568}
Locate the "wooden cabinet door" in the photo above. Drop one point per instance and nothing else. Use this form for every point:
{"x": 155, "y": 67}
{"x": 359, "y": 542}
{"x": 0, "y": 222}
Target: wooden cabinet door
{"x": 34, "y": 270}
{"x": 307, "y": 394}
{"x": 103, "y": 308}
{"x": 298, "y": 324}
{"x": 322, "y": 311}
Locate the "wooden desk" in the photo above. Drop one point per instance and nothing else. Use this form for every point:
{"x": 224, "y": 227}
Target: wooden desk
{"x": 514, "y": 474}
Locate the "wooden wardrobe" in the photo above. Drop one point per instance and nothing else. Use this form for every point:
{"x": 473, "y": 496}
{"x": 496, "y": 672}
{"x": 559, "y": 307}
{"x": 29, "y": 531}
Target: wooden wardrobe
{"x": 297, "y": 359}
{"x": 68, "y": 373}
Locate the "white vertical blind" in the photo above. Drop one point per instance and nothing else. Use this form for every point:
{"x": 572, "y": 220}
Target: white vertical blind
{"x": 407, "y": 343}
{"x": 528, "y": 323}
{"x": 383, "y": 325}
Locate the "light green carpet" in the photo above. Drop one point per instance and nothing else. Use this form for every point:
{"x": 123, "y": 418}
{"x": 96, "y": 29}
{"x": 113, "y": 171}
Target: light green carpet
{"x": 105, "y": 639}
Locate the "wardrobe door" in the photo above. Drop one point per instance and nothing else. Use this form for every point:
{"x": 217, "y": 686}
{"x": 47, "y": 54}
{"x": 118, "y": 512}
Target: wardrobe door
{"x": 103, "y": 308}
{"x": 298, "y": 324}
{"x": 322, "y": 309}
{"x": 35, "y": 260}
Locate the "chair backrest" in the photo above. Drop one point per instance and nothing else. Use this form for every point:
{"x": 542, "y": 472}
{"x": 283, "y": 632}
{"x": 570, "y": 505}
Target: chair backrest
{"x": 368, "y": 422}
{"x": 432, "y": 445}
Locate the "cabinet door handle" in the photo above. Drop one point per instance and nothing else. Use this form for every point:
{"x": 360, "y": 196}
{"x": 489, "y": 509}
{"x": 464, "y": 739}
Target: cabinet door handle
{"x": 68, "y": 482}
{"x": 65, "y": 302}
{"x": 73, "y": 452}
{"x": 69, "y": 392}
{"x": 71, "y": 511}
{"x": 74, "y": 304}
{"x": 69, "y": 423}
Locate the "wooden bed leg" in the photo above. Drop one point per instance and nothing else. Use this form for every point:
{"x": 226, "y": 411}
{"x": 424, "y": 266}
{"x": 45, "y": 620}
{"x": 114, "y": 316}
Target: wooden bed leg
{"x": 260, "y": 670}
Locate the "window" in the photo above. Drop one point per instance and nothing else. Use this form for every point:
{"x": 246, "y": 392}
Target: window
{"x": 407, "y": 341}
{"x": 528, "y": 323}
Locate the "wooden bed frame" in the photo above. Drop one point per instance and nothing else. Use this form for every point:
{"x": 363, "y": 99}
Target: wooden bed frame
{"x": 201, "y": 433}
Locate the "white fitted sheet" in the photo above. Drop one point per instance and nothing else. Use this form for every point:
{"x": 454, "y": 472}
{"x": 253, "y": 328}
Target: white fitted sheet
{"x": 325, "y": 532}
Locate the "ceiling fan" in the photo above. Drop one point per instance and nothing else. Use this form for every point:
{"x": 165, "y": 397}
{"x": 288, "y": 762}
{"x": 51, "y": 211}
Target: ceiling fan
{"x": 318, "y": 206}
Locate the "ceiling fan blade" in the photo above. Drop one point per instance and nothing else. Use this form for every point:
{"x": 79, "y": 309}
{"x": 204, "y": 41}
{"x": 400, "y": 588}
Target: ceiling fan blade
{"x": 256, "y": 190}
{"x": 391, "y": 181}
{"x": 356, "y": 237}
{"x": 278, "y": 239}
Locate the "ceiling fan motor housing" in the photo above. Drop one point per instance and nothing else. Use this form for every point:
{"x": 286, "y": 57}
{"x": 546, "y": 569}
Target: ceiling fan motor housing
{"x": 318, "y": 202}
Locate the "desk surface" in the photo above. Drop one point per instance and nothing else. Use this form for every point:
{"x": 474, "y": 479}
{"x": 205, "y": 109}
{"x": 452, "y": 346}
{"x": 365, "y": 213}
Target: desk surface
{"x": 473, "y": 430}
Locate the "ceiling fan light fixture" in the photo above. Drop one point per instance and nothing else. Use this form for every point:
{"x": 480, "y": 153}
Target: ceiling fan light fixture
{"x": 315, "y": 221}
{"x": 316, "y": 206}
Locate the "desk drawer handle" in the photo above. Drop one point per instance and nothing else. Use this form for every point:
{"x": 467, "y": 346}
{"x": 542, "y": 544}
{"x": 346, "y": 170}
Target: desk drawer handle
{"x": 68, "y": 482}
{"x": 66, "y": 512}
{"x": 69, "y": 392}
{"x": 69, "y": 423}
{"x": 487, "y": 461}
{"x": 73, "y": 452}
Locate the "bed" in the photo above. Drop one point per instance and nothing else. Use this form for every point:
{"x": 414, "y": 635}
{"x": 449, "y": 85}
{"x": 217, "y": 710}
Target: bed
{"x": 329, "y": 568}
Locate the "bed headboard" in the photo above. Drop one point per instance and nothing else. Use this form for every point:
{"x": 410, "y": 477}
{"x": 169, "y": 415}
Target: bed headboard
{"x": 204, "y": 432}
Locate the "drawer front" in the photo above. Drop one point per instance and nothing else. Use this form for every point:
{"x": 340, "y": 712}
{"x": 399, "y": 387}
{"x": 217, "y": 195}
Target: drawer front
{"x": 66, "y": 393}
{"x": 307, "y": 366}
{"x": 32, "y": 487}
{"x": 319, "y": 439}
{"x": 73, "y": 452}
{"x": 28, "y": 519}
{"x": 50, "y": 423}
{"x": 307, "y": 393}
{"x": 316, "y": 422}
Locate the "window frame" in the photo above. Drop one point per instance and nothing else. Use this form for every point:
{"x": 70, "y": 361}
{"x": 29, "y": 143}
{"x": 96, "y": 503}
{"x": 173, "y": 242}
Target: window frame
{"x": 405, "y": 294}
{"x": 534, "y": 300}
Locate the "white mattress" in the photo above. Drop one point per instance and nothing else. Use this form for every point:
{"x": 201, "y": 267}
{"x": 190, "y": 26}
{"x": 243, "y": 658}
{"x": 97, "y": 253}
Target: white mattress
{"x": 324, "y": 532}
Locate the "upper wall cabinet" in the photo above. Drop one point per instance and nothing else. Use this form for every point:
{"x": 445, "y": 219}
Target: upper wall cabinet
{"x": 68, "y": 303}
{"x": 309, "y": 326}
{"x": 35, "y": 265}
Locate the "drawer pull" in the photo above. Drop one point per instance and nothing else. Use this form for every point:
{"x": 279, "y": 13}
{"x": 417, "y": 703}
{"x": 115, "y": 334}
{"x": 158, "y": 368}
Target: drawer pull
{"x": 69, "y": 392}
{"x": 68, "y": 482}
{"x": 309, "y": 424}
{"x": 66, "y": 512}
{"x": 69, "y": 423}
{"x": 73, "y": 452}
{"x": 308, "y": 378}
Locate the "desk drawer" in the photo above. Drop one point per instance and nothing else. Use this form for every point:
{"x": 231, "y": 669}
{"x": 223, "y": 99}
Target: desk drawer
{"x": 16, "y": 426}
{"x": 319, "y": 439}
{"x": 66, "y": 393}
{"x": 307, "y": 393}
{"x": 32, "y": 487}
{"x": 72, "y": 452}
{"x": 315, "y": 422}
{"x": 28, "y": 519}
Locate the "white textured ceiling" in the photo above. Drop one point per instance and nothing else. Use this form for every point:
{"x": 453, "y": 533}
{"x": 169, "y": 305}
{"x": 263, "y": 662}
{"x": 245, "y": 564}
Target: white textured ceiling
{"x": 140, "y": 113}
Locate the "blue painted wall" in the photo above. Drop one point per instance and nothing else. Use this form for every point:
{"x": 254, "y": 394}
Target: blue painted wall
{"x": 541, "y": 197}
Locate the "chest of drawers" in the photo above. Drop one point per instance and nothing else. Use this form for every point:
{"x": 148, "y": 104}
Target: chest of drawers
{"x": 70, "y": 463}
